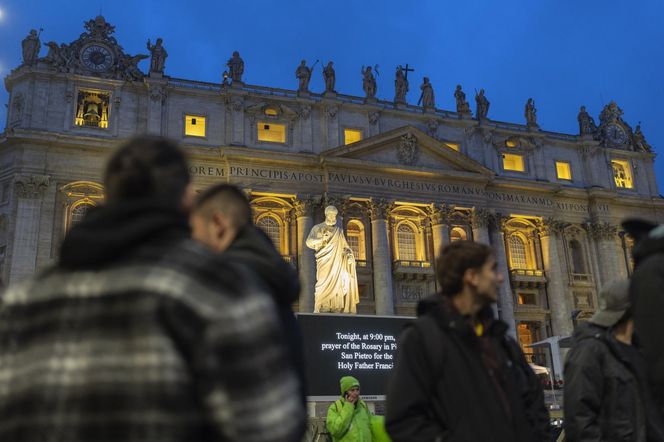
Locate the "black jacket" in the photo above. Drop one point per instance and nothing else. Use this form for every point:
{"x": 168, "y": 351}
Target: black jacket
{"x": 442, "y": 390}
{"x": 253, "y": 248}
{"x": 647, "y": 294}
{"x": 606, "y": 396}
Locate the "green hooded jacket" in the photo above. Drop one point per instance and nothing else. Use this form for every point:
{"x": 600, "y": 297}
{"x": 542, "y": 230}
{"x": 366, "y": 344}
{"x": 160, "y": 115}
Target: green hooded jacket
{"x": 347, "y": 422}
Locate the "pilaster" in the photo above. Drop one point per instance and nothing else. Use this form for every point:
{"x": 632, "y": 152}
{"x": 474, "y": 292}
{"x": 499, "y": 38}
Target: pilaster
{"x": 305, "y": 256}
{"x": 382, "y": 262}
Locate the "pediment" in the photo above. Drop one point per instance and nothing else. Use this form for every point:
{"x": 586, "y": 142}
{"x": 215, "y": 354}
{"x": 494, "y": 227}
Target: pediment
{"x": 408, "y": 147}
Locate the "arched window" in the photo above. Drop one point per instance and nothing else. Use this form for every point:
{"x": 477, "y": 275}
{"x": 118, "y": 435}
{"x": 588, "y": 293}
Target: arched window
{"x": 272, "y": 228}
{"x": 406, "y": 243}
{"x": 518, "y": 258}
{"x": 578, "y": 263}
{"x": 355, "y": 237}
{"x": 78, "y": 212}
{"x": 457, "y": 234}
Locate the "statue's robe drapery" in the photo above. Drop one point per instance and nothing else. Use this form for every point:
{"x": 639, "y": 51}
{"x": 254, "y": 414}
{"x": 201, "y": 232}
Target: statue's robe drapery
{"x": 336, "y": 277}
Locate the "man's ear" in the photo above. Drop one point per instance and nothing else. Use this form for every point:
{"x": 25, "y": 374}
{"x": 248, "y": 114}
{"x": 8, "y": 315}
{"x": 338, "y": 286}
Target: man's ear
{"x": 220, "y": 223}
{"x": 470, "y": 277}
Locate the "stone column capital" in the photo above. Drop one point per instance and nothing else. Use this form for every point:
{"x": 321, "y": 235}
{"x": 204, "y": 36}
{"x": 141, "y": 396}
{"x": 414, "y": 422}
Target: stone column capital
{"x": 304, "y": 205}
{"x": 601, "y": 230}
{"x": 338, "y": 201}
{"x": 550, "y": 226}
{"x": 379, "y": 208}
{"x": 439, "y": 213}
{"x": 31, "y": 186}
{"x": 481, "y": 218}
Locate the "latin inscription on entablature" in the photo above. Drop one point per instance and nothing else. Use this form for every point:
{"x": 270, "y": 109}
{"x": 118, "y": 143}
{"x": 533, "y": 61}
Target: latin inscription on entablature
{"x": 371, "y": 182}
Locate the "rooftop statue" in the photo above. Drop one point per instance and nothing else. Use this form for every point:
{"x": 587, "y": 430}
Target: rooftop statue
{"x": 330, "y": 77}
{"x": 159, "y": 55}
{"x": 303, "y": 74}
{"x": 400, "y": 86}
{"x": 31, "y": 46}
{"x": 236, "y": 67}
{"x": 336, "y": 277}
{"x": 368, "y": 82}
{"x": 587, "y": 125}
{"x": 462, "y": 106}
{"x": 482, "y": 105}
{"x": 427, "y": 98}
{"x": 640, "y": 143}
{"x": 531, "y": 113}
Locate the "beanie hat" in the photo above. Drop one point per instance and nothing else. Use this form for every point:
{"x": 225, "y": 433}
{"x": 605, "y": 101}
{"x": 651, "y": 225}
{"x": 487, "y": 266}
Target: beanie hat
{"x": 348, "y": 382}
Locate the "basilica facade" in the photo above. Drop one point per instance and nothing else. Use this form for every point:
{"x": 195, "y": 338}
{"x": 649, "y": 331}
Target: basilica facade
{"x": 406, "y": 179}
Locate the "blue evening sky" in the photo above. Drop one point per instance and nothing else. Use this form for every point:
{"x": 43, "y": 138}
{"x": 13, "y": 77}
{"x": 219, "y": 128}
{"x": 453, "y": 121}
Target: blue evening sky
{"x": 562, "y": 53}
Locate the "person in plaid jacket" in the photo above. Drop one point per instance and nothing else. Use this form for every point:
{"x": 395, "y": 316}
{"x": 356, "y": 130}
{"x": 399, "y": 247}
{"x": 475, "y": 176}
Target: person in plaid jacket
{"x": 140, "y": 334}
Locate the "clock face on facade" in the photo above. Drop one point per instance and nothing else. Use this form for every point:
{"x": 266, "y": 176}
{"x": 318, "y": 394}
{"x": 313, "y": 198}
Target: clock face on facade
{"x": 96, "y": 57}
{"x": 616, "y": 134}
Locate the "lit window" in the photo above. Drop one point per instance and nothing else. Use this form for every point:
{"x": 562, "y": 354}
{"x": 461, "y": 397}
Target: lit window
{"x": 457, "y": 234}
{"x": 563, "y": 170}
{"x": 194, "y": 126}
{"x": 453, "y": 146}
{"x": 274, "y": 133}
{"x": 513, "y": 162}
{"x": 355, "y": 236}
{"x": 271, "y": 227}
{"x": 518, "y": 259}
{"x": 528, "y": 334}
{"x": 271, "y": 112}
{"x": 511, "y": 143}
{"x": 622, "y": 174}
{"x": 352, "y": 136}
{"x": 407, "y": 250}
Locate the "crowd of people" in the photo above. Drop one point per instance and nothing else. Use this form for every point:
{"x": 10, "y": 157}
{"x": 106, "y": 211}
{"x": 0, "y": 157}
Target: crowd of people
{"x": 167, "y": 317}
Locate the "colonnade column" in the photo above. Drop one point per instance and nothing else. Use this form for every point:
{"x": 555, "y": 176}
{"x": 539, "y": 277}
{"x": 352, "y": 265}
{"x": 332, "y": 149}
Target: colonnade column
{"x": 480, "y": 222}
{"x": 306, "y": 261}
{"x": 559, "y": 299}
{"x": 29, "y": 192}
{"x": 440, "y": 229}
{"x": 604, "y": 236}
{"x": 505, "y": 298}
{"x": 382, "y": 263}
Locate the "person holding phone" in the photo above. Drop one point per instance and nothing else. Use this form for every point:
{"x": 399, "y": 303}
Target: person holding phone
{"x": 349, "y": 418}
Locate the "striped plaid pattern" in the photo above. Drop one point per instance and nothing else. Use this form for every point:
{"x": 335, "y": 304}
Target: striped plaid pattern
{"x": 180, "y": 349}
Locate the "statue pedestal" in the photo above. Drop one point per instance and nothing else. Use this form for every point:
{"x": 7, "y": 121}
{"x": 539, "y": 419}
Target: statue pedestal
{"x": 154, "y": 74}
{"x": 371, "y": 100}
{"x": 400, "y": 105}
{"x": 330, "y": 94}
{"x": 304, "y": 94}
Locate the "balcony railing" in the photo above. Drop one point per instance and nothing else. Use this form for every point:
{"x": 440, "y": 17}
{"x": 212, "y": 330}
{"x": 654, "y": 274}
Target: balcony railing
{"x": 582, "y": 278}
{"x": 528, "y": 278}
{"x": 417, "y": 264}
{"x": 527, "y": 272}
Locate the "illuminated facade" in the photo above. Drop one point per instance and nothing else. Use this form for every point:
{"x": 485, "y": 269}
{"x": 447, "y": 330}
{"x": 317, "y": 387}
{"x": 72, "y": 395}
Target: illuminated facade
{"x": 405, "y": 181}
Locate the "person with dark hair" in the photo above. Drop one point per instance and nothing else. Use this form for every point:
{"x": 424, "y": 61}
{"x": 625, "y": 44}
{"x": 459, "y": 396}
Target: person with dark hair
{"x": 139, "y": 333}
{"x": 606, "y": 391}
{"x": 458, "y": 375}
{"x": 221, "y": 219}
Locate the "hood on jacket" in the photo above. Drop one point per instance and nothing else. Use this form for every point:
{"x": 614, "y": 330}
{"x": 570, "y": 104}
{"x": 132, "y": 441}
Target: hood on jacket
{"x": 108, "y": 233}
{"x": 255, "y": 248}
{"x": 587, "y": 330}
{"x": 348, "y": 382}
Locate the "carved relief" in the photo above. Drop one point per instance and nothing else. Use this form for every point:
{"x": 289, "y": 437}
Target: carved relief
{"x": 432, "y": 127}
{"x": 331, "y": 111}
{"x": 408, "y": 149}
{"x": 304, "y": 206}
{"x": 158, "y": 94}
{"x": 305, "y": 111}
{"x": 18, "y": 104}
{"x": 374, "y": 117}
{"x": 31, "y": 186}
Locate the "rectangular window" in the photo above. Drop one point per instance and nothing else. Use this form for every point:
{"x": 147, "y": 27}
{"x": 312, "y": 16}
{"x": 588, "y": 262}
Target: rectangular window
{"x": 194, "y": 126}
{"x": 622, "y": 174}
{"x": 563, "y": 170}
{"x": 453, "y": 146}
{"x": 5, "y": 193}
{"x": 271, "y": 132}
{"x": 92, "y": 108}
{"x": 513, "y": 161}
{"x": 352, "y": 136}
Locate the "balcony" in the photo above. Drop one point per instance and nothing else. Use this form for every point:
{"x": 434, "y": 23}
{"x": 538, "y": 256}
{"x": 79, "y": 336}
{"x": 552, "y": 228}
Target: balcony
{"x": 527, "y": 278}
{"x": 407, "y": 269}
